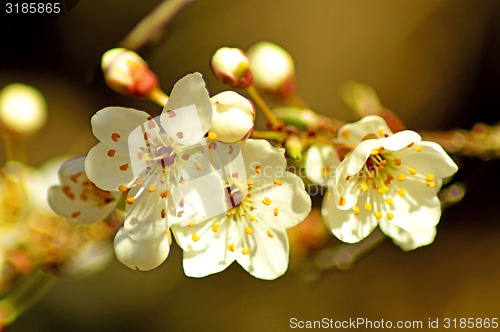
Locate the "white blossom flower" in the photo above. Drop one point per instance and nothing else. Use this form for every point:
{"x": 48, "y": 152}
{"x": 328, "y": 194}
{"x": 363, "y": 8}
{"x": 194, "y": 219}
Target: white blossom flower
{"x": 233, "y": 117}
{"x": 385, "y": 179}
{"x": 253, "y": 232}
{"x": 78, "y": 198}
{"x": 151, "y": 159}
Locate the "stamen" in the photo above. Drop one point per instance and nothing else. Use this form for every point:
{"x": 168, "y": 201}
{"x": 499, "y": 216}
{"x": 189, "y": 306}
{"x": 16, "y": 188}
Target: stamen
{"x": 75, "y": 214}
{"x": 195, "y": 237}
{"x": 390, "y": 215}
{"x": 211, "y": 135}
{"x": 419, "y": 148}
{"x": 368, "y": 207}
{"x": 270, "y": 233}
{"x": 356, "y": 210}
{"x": 230, "y": 247}
{"x": 249, "y": 230}
{"x": 215, "y": 228}
{"x": 163, "y": 213}
{"x": 276, "y": 211}
{"x": 364, "y": 187}
{"x": 377, "y": 214}
{"x": 257, "y": 169}
{"x": 245, "y": 251}
{"x": 130, "y": 200}
{"x": 397, "y": 161}
{"x": 412, "y": 171}
{"x": 342, "y": 201}
{"x": 111, "y": 153}
{"x": 429, "y": 177}
{"x": 382, "y": 190}
{"x": 401, "y": 177}
{"x": 151, "y": 188}
{"x": 401, "y": 192}
{"x": 278, "y": 182}
{"x": 164, "y": 194}
{"x": 115, "y": 137}
{"x": 389, "y": 201}
{"x": 266, "y": 201}
{"x": 122, "y": 188}
{"x": 124, "y": 167}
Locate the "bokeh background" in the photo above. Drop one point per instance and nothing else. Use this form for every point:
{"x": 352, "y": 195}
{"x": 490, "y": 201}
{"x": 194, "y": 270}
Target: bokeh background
{"x": 435, "y": 62}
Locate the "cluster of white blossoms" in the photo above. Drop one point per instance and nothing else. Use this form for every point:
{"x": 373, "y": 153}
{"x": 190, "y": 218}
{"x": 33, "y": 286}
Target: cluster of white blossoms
{"x": 193, "y": 172}
{"x": 376, "y": 177}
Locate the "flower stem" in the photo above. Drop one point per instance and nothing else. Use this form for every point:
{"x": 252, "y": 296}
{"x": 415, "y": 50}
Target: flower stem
{"x": 271, "y": 135}
{"x": 270, "y": 116}
{"x": 152, "y": 25}
{"x": 24, "y": 295}
{"x": 159, "y": 97}
{"x": 15, "y": 149}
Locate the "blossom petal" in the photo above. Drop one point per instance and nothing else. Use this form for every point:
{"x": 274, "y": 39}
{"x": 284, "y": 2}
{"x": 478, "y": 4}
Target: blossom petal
{"x": 321, "y": 162}
{"x": 353, "y": 133}
{"x": 430, "y": 159}
{"x": 216, "y": 257}
{"x": 188, "y": 113}
{"x": 141, "y": 255}
{"x": 198, "y": 236}
{"x": 112, "y": 126}
{"x": 268, "y": 245}
{"x": 286, "y": 203}
{"x": 263, "y": 162}
{"x": 108, "y": 172}
{"x": 345, "y": 225}
{"x": 85, "y": 212}
{"x": 146, "y": 211}
{"x": 415, "y": 216}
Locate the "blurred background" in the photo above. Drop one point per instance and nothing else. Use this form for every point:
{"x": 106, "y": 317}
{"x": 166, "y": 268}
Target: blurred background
{"x": 435, "y": 63}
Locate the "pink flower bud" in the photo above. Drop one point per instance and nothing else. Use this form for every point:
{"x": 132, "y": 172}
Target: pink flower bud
{"x": 231, "y": 66}
{"x": 126, "y": 72}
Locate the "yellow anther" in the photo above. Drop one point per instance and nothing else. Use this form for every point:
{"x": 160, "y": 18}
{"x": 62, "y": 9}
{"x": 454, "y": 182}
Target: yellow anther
{"x": 266, "y": 201}
{"x": 368, "y": 207}
{"x": 345, "y": 134}
{"x": 390, "y": 215}
{"x": 122, "y": 188}
{"x": 215, "y": 228}
{"x": 195, "y": 237}
{"x": 230, "y": 247}
{"x": 419, "y": 148}
{"x": 278, "y": 182}
{"x": 191, "y": 224}
{"x": 257, "y": 169}
{"x": 328, "y": 196}
{"x": 269, "y": 233}
{"x": 211, "y": 135}
{"x": 252, "y": 218}
{"x": 431, "y": 184}
{"x": 401, "y": 192}
{"x": 429, "y": 177}
{"x": 249, "y": 230}
{"x": 151, "y": 188}
{"x": 364, "y": 187}
{"x": 388, "y": 201}
{"x": 412, "y": 171}
{"x": 382, "y": 190}
{"x": 130, "y": 201}
{"x": 375, "y": 152}
{"x": 342, "y": 201}
{"x": 250, "y": 182}
{"x": 377, "y": 214}
{"x": 164, "y": 194}
{"x": 356, "y": 210}
{"x": 245, "y": 251}
{"x": 276, "y": 211}
{"x": 397, "y": 161}
{"x": 401, "y": 177}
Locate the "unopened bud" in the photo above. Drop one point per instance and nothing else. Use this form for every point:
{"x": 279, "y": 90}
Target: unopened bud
{"x": 231, "y": 66}
{"x": 126, "y": 72}
{"x": 301, "y": 118}
{"x": 22, "y": 109}
{"x": 272, "y": 68}
{"x": 294, "y": 147}
{"x": 233, "y": 117}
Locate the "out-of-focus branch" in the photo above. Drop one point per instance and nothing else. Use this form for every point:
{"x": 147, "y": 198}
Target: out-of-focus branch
{"x": 482, "y": 141}
{"x": 152, "y": 24}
